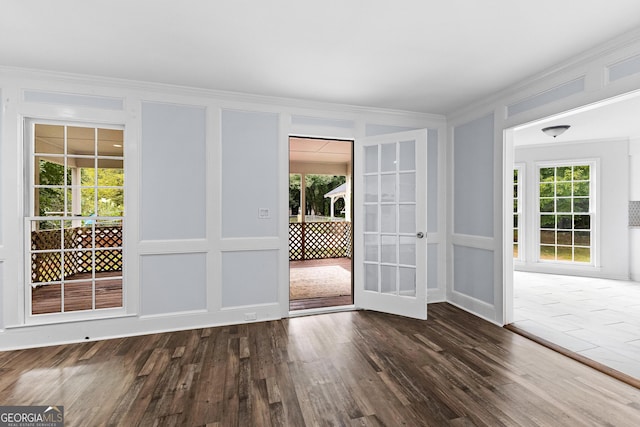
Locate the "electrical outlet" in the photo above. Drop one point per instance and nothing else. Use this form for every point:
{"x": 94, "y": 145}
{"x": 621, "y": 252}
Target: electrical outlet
{"x": 264, "y": 213}
{"x": 250, "y": 316}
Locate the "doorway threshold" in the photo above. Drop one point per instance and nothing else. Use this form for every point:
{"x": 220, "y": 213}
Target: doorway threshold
{"x": 321, "y": 310}
{"x": 620, "y": 376}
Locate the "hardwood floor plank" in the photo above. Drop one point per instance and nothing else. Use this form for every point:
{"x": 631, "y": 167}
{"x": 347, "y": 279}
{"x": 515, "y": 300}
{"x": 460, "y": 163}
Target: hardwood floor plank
{"x": 346, "y": 368}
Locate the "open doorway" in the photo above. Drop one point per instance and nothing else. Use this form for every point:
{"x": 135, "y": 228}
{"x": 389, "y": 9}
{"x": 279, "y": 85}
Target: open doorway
{"x": 320, "y": 223}
{"x": 575, "y": 236}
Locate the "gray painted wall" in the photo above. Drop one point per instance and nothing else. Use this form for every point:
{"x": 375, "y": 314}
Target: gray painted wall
{"x": 249, "y": 277}
{"x": 173, "y": 173}
{"x": 249, "y": 173}
{"x": 173, "y": 283}
{"x": 473, "y": 273}
{"x": 473, "y": 178}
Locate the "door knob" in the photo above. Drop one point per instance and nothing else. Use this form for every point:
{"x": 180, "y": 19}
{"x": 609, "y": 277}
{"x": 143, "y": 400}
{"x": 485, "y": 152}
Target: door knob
{"x": 420, "y": 235}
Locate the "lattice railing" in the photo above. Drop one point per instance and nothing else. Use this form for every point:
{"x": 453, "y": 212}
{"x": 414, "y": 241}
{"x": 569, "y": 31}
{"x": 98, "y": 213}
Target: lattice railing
{"x": 317, "y": 240}
{"x": 47, "y": 266}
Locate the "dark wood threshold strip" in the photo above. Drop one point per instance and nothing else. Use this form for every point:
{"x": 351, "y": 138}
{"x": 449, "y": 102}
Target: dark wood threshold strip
{"x": 620, "y": 376}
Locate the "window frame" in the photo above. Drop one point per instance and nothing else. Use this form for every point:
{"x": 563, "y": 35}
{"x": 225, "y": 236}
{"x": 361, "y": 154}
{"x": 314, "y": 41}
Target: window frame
{"x": 594, "y": 165}
{"x": 521, "y": 211}
{"x": 29, "y": 215}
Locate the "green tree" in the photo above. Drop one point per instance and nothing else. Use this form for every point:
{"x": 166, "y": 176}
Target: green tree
{"x": 110, "y": 200}
{"x": 51, "y": 199}
{"x": 294, "y": 193}
{"x": 317, "y": 187}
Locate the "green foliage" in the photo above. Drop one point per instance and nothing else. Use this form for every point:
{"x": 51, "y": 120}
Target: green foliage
{"x": 294, "y": 193}
{"x": 316, "y": 187}
{"x": 51, "y": 199}
{"x": 110, "y": 200}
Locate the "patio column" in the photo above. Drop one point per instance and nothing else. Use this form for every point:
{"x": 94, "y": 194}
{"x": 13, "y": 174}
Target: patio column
{"x": 333, "y": 199}
{"x": 303, "y": 200}
{"x": 76, "y": 197}
{"x": 347, "y": 196}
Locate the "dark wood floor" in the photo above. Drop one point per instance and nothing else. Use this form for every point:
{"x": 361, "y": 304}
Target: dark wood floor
{"x": 347, "y": 368}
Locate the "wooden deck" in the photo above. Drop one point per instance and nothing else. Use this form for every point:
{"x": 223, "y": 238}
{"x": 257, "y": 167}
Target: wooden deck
{"x": 78, "y": 295}
{"x": 349, "y": 368}
{"x": 308, "y": 303}
{"x": 320, "y": 283}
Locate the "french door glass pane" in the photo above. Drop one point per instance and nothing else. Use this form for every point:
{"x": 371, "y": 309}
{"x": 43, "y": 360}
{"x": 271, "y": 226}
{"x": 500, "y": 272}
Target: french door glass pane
{"x": 388, "y": 218}
{"x": 371, "y": 188}
{"x": 371, "y": 218}
{"x": 407, "y": 187}
{"x": 407, "y": 155}
{"x": 371, "y": 277}
{"x": 388, "y": 158}
{"x": 371, "y": 245}
{"x": 393, "y": 244}
{"x": 371, "y": 159}
{"x": 388, "y": 188}
{"x": 388, "y": 279}
{"x": 407, "y": 251}
{"x": 407, "y": 281}
{"x": 407, "y": 219}
{"x": 389, "y": 249}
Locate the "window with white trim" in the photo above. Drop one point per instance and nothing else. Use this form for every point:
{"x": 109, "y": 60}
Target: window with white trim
{"x": 517, "y": 212}
{"x": 75, "y": 218}
{"x": 566, "y": 213}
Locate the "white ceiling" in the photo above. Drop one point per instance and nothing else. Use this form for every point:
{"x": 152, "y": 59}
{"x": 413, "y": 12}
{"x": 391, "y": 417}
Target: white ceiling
{"x": 611, "y": 119}
{"x": 418, "y": 55}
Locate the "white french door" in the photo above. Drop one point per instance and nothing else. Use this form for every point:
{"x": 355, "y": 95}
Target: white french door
{"x": 390, "y": 219}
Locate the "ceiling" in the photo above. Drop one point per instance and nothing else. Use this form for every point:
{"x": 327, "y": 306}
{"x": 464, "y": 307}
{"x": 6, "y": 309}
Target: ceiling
{"x": 314, "y": 150}
{"x": 611, "y": 119}
{"x": 416, "y": 55}
{"x": 80, "y": 141}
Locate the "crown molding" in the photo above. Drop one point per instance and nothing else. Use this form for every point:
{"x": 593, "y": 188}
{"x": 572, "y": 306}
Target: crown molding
{"x": 144, "y": 86}
{"x": 570, "y": 67}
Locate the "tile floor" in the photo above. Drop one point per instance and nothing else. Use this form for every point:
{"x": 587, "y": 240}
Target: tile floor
{"x": 597, "y": 318}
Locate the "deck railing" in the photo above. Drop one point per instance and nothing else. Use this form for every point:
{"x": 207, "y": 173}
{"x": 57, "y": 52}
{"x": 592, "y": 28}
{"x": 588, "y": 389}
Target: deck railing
{"x": 47, "y": 266}
{"x": 317, "y": 240}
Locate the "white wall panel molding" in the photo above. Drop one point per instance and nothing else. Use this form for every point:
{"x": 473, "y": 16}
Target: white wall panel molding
{"x": 474, "y": 306}
{"x": 250, "y": 244}
{"x": 81, "y": 83}
{"x": 624, "y": 68}
{"x": 590, "y": 63}
{"x": 147, "y": 247}
{"x": 478, "y": 242}
{"x": 126, "y": 326}
{"x": 548, "y": 96}
{"x": 206, "y": 250}
{"x": 285, "y": 128}
{"x": 321, "y": 122}
{"x": 70, "y": 113}
{"x": 78, "y": 100}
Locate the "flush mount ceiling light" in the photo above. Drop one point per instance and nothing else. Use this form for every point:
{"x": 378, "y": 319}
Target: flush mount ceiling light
{"x": 555, "y": 130}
